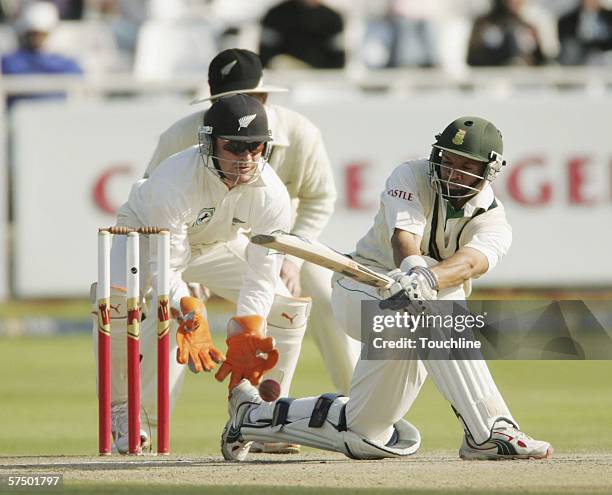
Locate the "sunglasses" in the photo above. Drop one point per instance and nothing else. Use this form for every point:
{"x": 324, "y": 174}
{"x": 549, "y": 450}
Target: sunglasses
{"x": 239, "y": 147}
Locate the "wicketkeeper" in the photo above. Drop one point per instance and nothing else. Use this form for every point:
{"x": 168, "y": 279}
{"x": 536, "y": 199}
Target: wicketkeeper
{"x": 209, "y": 196}
{"x": 297, "y": 154}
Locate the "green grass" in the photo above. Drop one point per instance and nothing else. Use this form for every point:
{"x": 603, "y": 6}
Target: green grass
{"x": 49, "y": 406}
{"x": 69, "y": 308}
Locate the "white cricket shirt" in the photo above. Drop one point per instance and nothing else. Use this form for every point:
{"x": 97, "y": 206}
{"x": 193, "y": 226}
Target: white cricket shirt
{"x": 298, "y": 157}
{"x": 409, "y": 202}
{"x": 199, "y": 210}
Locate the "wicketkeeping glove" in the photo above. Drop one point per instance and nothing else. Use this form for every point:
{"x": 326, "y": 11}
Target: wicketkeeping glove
{"x": 249, "y": 353}
{"x": 410, "y": 290}
{"x": 195, "y": 345}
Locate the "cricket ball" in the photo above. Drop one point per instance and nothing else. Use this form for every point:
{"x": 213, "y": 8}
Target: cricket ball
{"x": 269, "y": 390}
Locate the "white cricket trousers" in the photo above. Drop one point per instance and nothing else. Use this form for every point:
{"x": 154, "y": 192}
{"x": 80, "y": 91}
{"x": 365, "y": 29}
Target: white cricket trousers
{"x": 382, "y": 392}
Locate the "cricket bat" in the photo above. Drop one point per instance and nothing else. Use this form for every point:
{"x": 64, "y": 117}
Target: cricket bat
{"x": 321, "y": 255}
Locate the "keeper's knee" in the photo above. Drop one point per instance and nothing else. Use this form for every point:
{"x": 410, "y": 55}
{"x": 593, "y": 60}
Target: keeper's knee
{"x": 289, "y": 312}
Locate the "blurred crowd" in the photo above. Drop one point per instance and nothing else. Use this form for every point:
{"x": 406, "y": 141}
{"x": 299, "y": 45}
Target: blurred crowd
{"x": 160, "y": 39}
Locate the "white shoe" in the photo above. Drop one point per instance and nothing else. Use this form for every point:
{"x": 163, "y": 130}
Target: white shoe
{"x": 505, "y": 443}
{"x": 243, "y": 397}
{"x": 274, "y": 448}
{"x": 119, "y": 427}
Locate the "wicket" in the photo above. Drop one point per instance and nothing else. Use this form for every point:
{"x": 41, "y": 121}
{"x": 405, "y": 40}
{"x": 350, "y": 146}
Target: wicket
{"x": 133, "y": 337}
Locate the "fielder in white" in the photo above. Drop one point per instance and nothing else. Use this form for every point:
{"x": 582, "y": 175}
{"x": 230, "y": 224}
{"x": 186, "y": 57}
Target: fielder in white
{"x": 208, "y": 196}
{"x": 299, "y": 158}
{"x": 439, "y": 226}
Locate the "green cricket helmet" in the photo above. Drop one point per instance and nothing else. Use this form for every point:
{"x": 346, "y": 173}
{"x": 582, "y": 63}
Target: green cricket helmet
{"x": 471, "y": 137}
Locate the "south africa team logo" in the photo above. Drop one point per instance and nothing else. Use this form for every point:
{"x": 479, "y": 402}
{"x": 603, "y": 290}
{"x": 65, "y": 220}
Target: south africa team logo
{"x": 204, "y": 216}
{"x": 459, "y": 137}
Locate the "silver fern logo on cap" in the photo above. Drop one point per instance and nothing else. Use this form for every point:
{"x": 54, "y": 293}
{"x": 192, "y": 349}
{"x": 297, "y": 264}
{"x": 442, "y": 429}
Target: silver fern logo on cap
{"x": 245, "y": 121}
{"x": 226, "y": 69}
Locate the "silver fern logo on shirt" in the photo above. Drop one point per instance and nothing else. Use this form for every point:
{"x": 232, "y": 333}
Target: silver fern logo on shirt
{"x": 246, "y": 121}
{"x": 204, "y": 216}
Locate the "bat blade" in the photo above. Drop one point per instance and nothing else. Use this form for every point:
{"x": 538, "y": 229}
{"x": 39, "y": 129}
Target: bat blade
{"x": 321, "y": 255}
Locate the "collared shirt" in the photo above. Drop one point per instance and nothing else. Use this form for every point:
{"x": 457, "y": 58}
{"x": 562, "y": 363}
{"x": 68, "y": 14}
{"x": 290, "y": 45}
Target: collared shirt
{"x": 298, "y": 157}
{"x": 200, "y": 211}
{"x": 410, "y": 202}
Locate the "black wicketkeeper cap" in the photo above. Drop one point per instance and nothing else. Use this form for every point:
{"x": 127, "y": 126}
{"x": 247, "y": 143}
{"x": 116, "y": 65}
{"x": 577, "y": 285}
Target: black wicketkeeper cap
{"x": 237, "y": 118}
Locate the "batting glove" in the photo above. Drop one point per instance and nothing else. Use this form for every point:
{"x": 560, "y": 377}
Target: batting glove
{"x": 195, "y": 346}
{"x": 410, "y": 290}
{"x": 249, "y": 353}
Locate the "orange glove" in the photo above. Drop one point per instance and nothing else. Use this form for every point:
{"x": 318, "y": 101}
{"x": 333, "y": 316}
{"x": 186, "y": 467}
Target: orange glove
{"x": 195, "y": 345}
{"x": 245, "y": 346}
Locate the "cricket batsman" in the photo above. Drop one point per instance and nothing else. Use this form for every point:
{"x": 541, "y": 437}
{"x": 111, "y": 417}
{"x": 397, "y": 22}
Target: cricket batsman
{"x": 208, "y": 196}
{"x": 439, "y": 226}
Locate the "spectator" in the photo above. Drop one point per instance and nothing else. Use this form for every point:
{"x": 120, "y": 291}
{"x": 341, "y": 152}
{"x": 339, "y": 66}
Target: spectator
{"x": 8, "y": 11}
{"x": 125, "y": 17}
{"x": 585, "y": 34}
{"x": 504, "y": 37}
{"x": 70, "y": 10}
{"x": 304, "y": 31}
{"x": 403, "y": 37}
{"x": 544, "y": 19}
{"x": 33, "y": 27}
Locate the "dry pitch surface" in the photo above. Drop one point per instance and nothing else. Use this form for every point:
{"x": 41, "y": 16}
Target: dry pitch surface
{"x": 584, "y": 473}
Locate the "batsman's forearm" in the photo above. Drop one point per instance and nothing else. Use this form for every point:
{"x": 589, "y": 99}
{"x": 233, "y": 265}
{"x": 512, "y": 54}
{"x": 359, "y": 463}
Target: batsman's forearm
{"x": 404, "y": 244}
{"x": 459, "y": 268}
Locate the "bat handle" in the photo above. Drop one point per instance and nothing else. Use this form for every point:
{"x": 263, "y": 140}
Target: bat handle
{"x": 397, "y": 301}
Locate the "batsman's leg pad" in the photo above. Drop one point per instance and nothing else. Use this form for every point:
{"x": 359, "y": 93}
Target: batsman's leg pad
{"x": 320, "y": 422}
{"x": 466, "y": 384}
{"x": 476, "y": 400}
{"x": 286, "y": 324}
